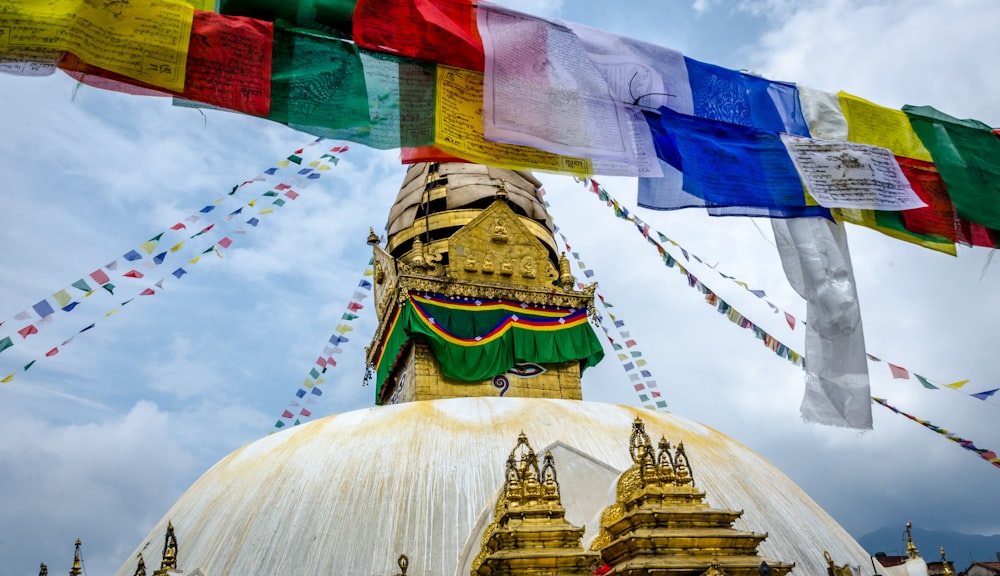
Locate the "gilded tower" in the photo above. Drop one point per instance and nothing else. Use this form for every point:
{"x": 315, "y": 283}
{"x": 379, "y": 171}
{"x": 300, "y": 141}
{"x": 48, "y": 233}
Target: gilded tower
{"x": 472, "y": 296}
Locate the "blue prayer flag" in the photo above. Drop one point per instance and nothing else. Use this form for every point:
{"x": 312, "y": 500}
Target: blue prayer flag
{"x": 253, "y": 221}
{"x": 984, "y": 394}
{"x": 159, "y": 258}
{"x": 317, "y": 391}
{"x": 43, "y": 308}
{"x": 70, "y": 306}
{"x": 300, "y": 393}
{"x": 365, "y": 284}
{"x": 207, "y": 209}
{"x": 270, "y": 171}
{"x": 179, "y": 272}
{"x": 132, "y": 256}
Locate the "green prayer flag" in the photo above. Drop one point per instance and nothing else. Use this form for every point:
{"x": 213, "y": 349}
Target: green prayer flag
{"x": 348, "y": 316}
{"x": 316, "y": 80}
{"x": 401, "y": 100}
{"x": 270, "y": 193}
{"x": 6, "y": 343}
{"x": 109, "y": 287}
{"x": 314, "y": 373}
{"x": 81, "y": 284}
{"x": 925, "y": 382}
{"x": 279, "y": 202}
{"x": 967, "y": 154}
{"x": 643, "y": 398}
{"x": 29, "y": 365}
{"x": 156, "y": 238}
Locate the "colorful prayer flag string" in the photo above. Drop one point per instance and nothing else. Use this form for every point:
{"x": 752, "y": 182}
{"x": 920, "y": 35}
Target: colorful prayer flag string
{"x": 622, "y": 212}
{"x": 988, "y": 455}
{"x": 629, "y": 355}
{"x": 215, "y": 247}
{"x": 294, "y": 414}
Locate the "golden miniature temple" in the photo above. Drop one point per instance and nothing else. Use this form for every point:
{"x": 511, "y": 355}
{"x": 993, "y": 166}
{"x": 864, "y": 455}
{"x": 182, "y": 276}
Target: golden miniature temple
{"x": 483, "y": 335}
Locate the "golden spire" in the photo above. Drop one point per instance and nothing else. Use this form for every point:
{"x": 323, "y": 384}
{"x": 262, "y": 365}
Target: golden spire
{"x": 911, "y": 550}
{"x": 373, "y": 239}
{"x": 43, "y": 570}
{"x": 77, "y": 569}
{"x": 140, "y": 569}
{"x": 947, "y": 571}
{"x": 169, "y": 561}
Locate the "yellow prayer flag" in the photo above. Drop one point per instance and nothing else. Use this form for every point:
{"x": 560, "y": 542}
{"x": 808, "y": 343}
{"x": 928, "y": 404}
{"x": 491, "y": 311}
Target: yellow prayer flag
{"x": 115, "y": 311}
{"x": 148, "y": 247}
{"x": 8, "y": 378}
{"x": 324, "y": 167}
{"x": 344, "y": 328}
{"x": 369, "y": 272}
{"x": 308, "y": 383}
{"x": 458, "y": 129}
{"x": 314, "y": 163}
{"x": 62, "y": 297}
{"x": 869, "y": 123}
{"x": 319, "y": 381}
{"x": 957, "y": 385}
{"x": 267, "y": 210}
{"x": 194, "y": 260}
{"x": 640, "y": 362}
{"x": 143, "y": 39}
{"x": 252, "y": 203}
{"x": 283, "y": 164}
{"x": 622, "y": 357}
{"x": 176, "y": 247}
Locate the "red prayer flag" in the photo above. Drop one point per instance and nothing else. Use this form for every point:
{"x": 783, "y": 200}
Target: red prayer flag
{"x": 52, "y": 352}
{"x": 225, "y": 242}
{"x": 292, "y": 194}
{"x": 339, "y": 149}
{"x": 228, "y": 65}
{"x": 330, "y": 361}
{"x": 305, "y": 412}
{"x": 630, "y": 343}
{"x": 147, "y": 292}
{"x": 939, "y": 217}
{"x": 355, "y": 306}
{"x": 639, "y": 387}
{"x": 791, "y": 320}
{"x": 28, "y": 331}
{"x": 178, "y": 226}
{"x": 133, "y": 274}
{"x": 282, "y": 186}
{"x": 100, "y": 277}
{"x": 321, "y": 362}
{"x": 899, "y": 372}
{"x": 442, "y": 31}
{"x": 287, "y": 414}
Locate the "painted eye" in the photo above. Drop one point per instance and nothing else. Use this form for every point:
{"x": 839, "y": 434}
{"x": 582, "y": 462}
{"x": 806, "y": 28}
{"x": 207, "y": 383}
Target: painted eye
{"x": 526, "y": 370}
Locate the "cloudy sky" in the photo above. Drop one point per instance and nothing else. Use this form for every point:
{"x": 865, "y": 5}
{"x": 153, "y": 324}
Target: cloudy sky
{"x": 99, "y": 440}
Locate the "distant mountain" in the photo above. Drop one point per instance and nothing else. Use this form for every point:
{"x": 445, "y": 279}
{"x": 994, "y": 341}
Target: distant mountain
{"x": 962, "y": 549}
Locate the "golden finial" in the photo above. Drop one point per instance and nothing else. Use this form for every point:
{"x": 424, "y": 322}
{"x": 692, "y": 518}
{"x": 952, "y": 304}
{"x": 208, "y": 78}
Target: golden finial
{"x": 169, "y": 561}
{"x": 947, "y": 571}
{"x": 418, "y": 261}
{"x": 140, "y": 569}
{"x": 43, "y": 570}
{"x": 565, "y": 273}
{"x": 373, "y": 239}
{"x": 911, "y": 550}
{"x": 77, "y": 568}
{"x": 502, "y": 191}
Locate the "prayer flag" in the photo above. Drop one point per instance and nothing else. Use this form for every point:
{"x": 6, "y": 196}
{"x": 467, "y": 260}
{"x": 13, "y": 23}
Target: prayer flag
{"x": 300, "y": 393}
{"x": 159, "y": 258}
{"x": 287, "y": 414}
{"x": 279, "y": 424}
{"x": 62, "y": 297}
{"x": 52, "y": 352}
{"x": 984, "y": 395}
{"x": 29, "y": 365}
{"x": 148, "y": 247}
{"x": 317, "y": 392}
{"x": 722, "y": 165}
{"x": 81, "y": 284}
{"x": 8, "y": 378}
{"x": 899, "y": 372}
{"x": 43, "y": 308}
{"x": 178, "y": 226}
{"x": 225, "y": 242}
{"x": 348, "y": 316}
{"x": 791, "y": 320}
{"x": 343, "y": 328}
{"x": 365, "y": 284}
{"x": 957, "y": 385}
{"x": 147, "y": 292}
{"x": 923, "y": 381}
{"x": 132, "y": 256}
{"x": 6, "y": 343}
{"x": 305, "y": 412}
{"x": 133, "y": 274}
{"x": 355, "y": 306}
{"x": 179, "y": 272}
{"x": 28, "y": 331}
{"x": 967, "y": 154}
{"x": 69, "y": 307}
{"x": 109, "y": 287}
{"x": 314, "y": 373}
{"x": 292, "y": 194}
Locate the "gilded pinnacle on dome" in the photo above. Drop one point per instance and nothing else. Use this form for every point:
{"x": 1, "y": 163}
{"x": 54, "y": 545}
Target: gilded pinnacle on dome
{"x": 140, "y": 568}
{"x": 43, "y": 570}
{"x": 77, "y": 568}
{"x": 911, "y": 549}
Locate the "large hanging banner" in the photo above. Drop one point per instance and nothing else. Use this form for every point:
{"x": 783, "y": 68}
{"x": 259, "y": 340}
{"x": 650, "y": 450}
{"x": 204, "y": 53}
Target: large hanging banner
{"x": 477, "y": 339}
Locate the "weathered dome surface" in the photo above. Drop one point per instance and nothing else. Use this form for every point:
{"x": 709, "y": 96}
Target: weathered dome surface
{"x": 349, "y": 493}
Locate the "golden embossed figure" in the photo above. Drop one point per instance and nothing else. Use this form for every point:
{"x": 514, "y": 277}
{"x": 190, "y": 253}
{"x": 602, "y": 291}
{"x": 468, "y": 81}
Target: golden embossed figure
{"x": 500, "y": 231}
{"x": 506, "y": 268}
{"x": 470, "y": 263}
{"x": 487, "y": 265}
{"x": 528, "y": 267}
